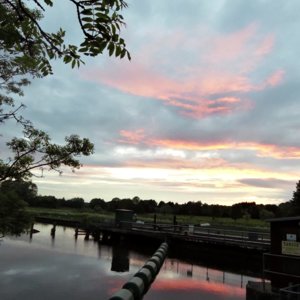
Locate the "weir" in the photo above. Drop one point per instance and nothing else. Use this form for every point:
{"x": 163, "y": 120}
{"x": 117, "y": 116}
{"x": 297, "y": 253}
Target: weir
{"x": 139, "y": 284}
{"x": 177, "y": 234}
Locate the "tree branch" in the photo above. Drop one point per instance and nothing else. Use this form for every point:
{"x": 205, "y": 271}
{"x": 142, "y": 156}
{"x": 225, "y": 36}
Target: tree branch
{"x": 39, "y": 5}
{"x": 77, "y": 4}
{"x": 42, "y": 32}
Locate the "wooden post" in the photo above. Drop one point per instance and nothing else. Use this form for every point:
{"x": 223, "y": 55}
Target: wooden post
{"x": 53, "y": 229}
{"x": 76, "y": 233}
{"x": 31, "y": 231}
{"x": 96, "y": 235}
{"x": 174, "y": 222}
{"x": 87, "y": 235}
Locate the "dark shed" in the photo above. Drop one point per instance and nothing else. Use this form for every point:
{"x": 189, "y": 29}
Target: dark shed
{"x": 124, "y": 217}
{"x": 285, "y": 230}
{"x": 282, "y": 264}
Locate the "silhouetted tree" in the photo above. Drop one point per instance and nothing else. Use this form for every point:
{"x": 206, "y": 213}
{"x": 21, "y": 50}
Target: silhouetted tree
{"x": 295, "y": 201}
{"x": 25, "y": 190}
{"x": 46, "y": 201}
{"x": 75, "y": 203}
{"x": 13, "y": 217}
{"x": 97, "y": 204}
{"x": 236, "y": 212}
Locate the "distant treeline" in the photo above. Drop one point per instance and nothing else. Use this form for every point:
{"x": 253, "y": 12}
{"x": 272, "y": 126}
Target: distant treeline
{"x": 29, "y": 193}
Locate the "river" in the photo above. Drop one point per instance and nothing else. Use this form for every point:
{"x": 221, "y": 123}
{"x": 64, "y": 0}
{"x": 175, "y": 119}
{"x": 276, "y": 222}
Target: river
{"x": 59, "y": 268}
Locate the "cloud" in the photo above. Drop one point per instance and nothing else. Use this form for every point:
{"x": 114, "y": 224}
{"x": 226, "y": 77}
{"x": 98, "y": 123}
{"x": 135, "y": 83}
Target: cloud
{"x": 215, "y": 79}
{"x": 263, "y": 150}
{"x": 132, "y": 137}
{"x": 269, "y": 183}
{"x": 206, "y": 110}
{"x": 275, "y": 79}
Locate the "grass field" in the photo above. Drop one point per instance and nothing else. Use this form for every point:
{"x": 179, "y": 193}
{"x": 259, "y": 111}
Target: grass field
{"x": 89, "y": 216}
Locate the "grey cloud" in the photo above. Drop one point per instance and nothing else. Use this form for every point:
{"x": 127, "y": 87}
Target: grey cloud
{"x": 267, "y": 183}
{"x": 66, "y": 103}
{"x": 238, "y": 13}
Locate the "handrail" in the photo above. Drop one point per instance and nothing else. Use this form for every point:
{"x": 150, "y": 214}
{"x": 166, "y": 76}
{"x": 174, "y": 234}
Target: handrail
{"x": 209, "y": 231}
{"x": 285, "y": 265}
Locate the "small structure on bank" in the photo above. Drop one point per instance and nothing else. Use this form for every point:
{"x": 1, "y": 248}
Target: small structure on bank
{"x": 282, "y": 264}
{"x": 124, "y": 218}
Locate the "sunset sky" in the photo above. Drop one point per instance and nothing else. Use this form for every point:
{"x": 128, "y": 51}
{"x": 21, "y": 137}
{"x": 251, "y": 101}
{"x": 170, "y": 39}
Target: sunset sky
{"x": 207, "y": 109}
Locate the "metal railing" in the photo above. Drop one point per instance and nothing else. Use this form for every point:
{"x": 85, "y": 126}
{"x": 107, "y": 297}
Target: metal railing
{"x": 283, "y": 265}
{"x": 241, "y": 238}
{"x": 290, "y": 293}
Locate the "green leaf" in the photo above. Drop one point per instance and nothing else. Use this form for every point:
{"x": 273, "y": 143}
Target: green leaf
{"x": 118, "y": 51}
{"x": 111, "y": 48}
{"x": 67, "y": 59}
{"x": 88, "y": 26}
{"x": 102, "y": 17}
{"x": 113, "y": 27}
{"x": 123, "y": 53}
{"x": 49, "y": 2}
{"x": 87, "y": 19}
{"x": 83, "y": 49}
{"x": 102, "y": 46}
{"x": 86, "y": 12}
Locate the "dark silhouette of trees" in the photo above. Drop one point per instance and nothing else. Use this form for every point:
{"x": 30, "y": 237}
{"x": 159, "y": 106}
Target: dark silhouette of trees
{"x": 22, "y": 190}
{"x": 97, "y": 204}
{"x": 295, "y": 201}
{"x": 236, "y": 212}
{"x": 13, "y": 216}
{"x": 26, "y": 51}
{"x": 48, "y": 201}
{"x": 75, "y": 203}
{"x": 26, "y": 190}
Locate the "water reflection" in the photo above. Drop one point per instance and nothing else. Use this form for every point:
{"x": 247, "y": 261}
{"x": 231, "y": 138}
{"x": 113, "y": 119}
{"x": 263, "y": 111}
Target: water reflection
{"x": 62, "y": 267}
{"x": 120, "y": 258}
{"x": 176, "y": 279}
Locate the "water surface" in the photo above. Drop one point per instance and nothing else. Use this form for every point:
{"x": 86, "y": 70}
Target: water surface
{"x": 66, "y": 268}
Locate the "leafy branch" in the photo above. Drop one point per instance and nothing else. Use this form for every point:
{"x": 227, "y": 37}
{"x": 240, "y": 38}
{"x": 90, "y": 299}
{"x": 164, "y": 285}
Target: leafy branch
{"x": 35, "y": 150}
{"x": 100, "y": 23}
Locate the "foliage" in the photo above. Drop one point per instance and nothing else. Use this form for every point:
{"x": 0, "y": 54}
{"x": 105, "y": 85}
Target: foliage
{"x": 295, "y": 202}
{"x": 266, "y": 214}
{"x": 13, "y": 216}
{"x": 244, "y": 214}
{"x": 35, "y": 150}
{"x": 69, "y": 214}
{"x": 97, "y": 204}
{"x": 26, "y": 50}
{"x": 32, "y": 47}
{"x": 75, "y": 203}
{"x": 26, "y": 190}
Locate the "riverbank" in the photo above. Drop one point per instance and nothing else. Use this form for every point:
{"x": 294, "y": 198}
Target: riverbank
{"x": 86, "y": 216}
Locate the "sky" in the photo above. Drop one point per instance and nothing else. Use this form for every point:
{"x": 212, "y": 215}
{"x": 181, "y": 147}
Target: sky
{"x": 207, "y": 109}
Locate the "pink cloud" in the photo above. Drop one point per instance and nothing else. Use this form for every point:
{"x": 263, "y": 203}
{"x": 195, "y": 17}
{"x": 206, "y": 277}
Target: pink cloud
{"x": 132, "y": 137}
{"x": 229, "y": 47}
{"x": 275, "y": 79}
{"x": 266, "y": 46}
{"x": 262, "y": 149}
{"x": 195, "y": 70}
